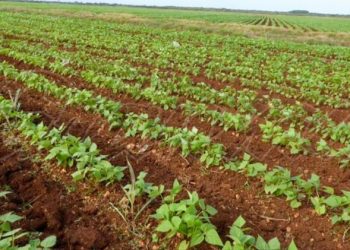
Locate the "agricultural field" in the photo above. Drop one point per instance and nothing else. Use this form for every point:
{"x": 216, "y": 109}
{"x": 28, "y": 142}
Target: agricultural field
{"x": 274, "y": 21}
{"x": 118, "y": 134}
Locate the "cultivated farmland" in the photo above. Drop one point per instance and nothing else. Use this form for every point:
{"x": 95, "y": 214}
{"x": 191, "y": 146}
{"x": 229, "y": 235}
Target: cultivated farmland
{"x": 120, "y": 132}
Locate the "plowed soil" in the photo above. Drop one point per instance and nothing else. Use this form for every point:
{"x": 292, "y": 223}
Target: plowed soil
{"x": 231, "y": 193}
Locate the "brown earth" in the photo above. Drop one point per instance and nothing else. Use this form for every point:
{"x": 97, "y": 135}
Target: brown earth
{"x": 231, "y": 193}
{"x": 235, "y": 143}
{"x": 48, "y": 207}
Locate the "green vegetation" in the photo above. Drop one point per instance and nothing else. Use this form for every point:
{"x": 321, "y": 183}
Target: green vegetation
{"x": 288, "y": 20}
{"x": 9, "y": 235}
{"x": 261, "y": 117}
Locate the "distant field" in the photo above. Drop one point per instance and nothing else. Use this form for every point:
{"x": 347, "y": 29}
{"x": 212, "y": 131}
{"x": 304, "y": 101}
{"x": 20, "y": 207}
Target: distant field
{"x": 134, "y": 128}
{"x": 331, "y": 24}
{"x": 319, "y": 23}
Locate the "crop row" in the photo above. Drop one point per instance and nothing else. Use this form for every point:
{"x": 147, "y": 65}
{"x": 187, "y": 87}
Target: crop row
{"x": 298, "y": 190}
{"x": 27, "y": 22}
{"x": 298, "y": 119}
{"x": 159, "y": 93}
{"x": 185, "y": 71}
{"x": 260, "y": 70}
{"x": 277, "y": 22}
{"x": 225, "y": 119}
{"x": 290, "y": 92}
{"x": 165, "y": 94}
{"x": 189, "y": 141}
{"x": 188, "y": 217}
{"x": 290, "y": 139}
{"x": 154, "y": 15}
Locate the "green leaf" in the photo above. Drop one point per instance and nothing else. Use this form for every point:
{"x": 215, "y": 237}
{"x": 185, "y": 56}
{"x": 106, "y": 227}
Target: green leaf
{"x": 164, "y": 226}
{"x": 261, "y": 244}
{"x": 183, "y": 245}
{"x": 274, "y": 244}
{"x": 333, "y": 201}
{"x": 211, "y": 210}
{"x": 49, "y": 242}
{"x": 239, "y": 222}
{"x": 4, "y": 193}
{"x": 335, "y": 219}
{"x": 197, "y": 239}
{"x": 328, "y": 190}
{"x": 295, "y": 203}
{"x": 345, "y": 216}
{"x": 292, "y": 246}
{"x": 321, "y": 210}
{"x": 213, "y": 238}
{"x": 227, "y": 246}
{"x": 13, "y": 233}
{"x": 10, "y": 217}
{"x": 176, "y": 221}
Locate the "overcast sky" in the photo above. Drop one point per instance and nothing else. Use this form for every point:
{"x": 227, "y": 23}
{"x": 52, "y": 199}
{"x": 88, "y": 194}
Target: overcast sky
{"x": 320, "y": 6}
